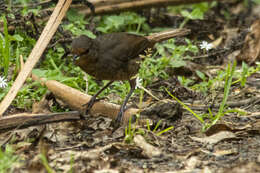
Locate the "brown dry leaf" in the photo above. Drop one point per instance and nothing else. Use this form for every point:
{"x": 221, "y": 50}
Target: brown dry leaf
{"x": 230, "y": 34}
{"x": 148, "y": 150}
{"x": 251, "y": 49}
{"x": 227, "y": 127}
{"x": 41, "y": 106}
{"x": 193, "y": 163}
{"x": 215, "y": 138}
{"x": 216, "y": 128}
{"x": 92, "y": 158}
{"x": 35, "y": 165}
{"x": 255, "y": 128}
{"x": 217, "y": 42}
{"x": 218, "y": 153}
{"x": 244, "y": 168}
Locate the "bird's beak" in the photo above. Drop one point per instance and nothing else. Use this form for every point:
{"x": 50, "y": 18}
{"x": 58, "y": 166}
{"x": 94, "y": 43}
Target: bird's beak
{"x": 75, "y": 57}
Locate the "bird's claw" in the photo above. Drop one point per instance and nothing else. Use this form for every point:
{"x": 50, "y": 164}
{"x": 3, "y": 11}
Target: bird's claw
{"x": 89, "y": 105}
{"x": 117, "y": 122}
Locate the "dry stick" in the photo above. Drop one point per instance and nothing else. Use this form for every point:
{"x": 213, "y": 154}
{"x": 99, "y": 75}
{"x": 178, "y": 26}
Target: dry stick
{"x": 114, "y": 6}
{"x": 75, "y": 99}
{"x": 94, "y": 2}
{"x": 49, "y": 30}
{"x": 107, "y": 2}
{"x": 99, "y": 3}
{"x": 25, "y": 120}
{"x": 140, "y": 4}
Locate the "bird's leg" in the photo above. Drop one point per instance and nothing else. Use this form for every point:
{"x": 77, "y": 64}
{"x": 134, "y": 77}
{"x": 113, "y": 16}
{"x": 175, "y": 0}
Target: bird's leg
{"x": 120, "y": 115}
{"x": 93, "y": 98}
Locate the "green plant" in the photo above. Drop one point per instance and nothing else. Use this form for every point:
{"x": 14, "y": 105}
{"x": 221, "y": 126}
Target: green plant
{"x": 171, "y": 56}
{"x": 185, "y": 81}
{"x": 156, "y": 127}
{"x": 77, "y": 24}
{"x": 5, "y": 48}
{"x": 131, "y": 131}
{"x": 7, "y": 159}
{"x": 30, "y": 93}
{"x": 245, "y": 73}
{"x": 221, "y": 111}
{"x": 46, "y": 164}
{"x": 126, "y": 21}
{"x": 72, "y": 162}
{"x": 192, "y": 12}
{"x": 256, "y": 1}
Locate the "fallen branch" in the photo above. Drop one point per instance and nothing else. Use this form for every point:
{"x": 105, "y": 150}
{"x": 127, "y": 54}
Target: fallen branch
{"x": 115, "y": 6}
{"x": 118, "y": 6}
{"x": 24, "y": 120}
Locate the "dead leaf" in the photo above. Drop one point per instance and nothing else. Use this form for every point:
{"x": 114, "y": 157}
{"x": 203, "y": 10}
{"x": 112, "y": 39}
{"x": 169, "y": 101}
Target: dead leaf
{"x": 193, "y": 163}
{"x": 41, "y": 106}
{"x": 215, "y": 138}
{"x": 219, "y": 153}
{"x": 216, "y": 128}
{"x": 149, "y": 150}
{"x": 217, "y": 42}
{"x": 251, "y": 49}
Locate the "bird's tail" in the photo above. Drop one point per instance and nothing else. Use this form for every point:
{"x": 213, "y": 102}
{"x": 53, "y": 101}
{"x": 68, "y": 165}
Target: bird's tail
{"x": 165, "y": 35}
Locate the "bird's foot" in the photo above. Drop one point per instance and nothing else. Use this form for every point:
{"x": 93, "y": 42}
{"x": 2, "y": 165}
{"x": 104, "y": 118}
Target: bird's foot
{"x": 117, "y": 122}
{"x": 89, "y": 105}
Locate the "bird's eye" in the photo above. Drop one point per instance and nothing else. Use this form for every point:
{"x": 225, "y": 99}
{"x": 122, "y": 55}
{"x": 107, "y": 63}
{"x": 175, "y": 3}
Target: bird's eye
{"x": 86, "y": 52}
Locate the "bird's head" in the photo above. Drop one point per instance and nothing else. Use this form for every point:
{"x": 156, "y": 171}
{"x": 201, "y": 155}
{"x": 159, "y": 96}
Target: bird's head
{"x": 80, "y": 46}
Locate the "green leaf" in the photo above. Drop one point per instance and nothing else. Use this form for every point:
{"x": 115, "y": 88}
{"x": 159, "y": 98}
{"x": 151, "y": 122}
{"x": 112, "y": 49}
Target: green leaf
{"x": 201, "y": 75}
{"x": 17, "y": 37}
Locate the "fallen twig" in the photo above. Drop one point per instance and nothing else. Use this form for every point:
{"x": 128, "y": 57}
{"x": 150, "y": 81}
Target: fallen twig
{"x": 25, "y": 120}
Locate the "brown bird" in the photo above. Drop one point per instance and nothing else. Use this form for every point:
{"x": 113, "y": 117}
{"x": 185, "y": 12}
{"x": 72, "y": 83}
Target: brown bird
{"x": 115, "y": 57}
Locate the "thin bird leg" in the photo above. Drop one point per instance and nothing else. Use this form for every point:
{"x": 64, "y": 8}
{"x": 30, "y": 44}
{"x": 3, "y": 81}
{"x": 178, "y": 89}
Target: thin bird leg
{"x": 120, "y": 115}
{"x": 93, "y": 98}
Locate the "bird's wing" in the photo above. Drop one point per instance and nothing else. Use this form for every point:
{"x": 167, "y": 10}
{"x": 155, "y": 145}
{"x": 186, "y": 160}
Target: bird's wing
{"x": 122, "y": 46}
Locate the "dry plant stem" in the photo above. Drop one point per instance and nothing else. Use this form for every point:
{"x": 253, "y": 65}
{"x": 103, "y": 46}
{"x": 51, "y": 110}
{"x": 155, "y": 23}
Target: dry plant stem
{"x": 140, "y": 4}
{"x": 49, "y": 30}
{"x": 24, "y": 120}
{"x": 75, "y": 99}
{"x": 165, "y": 35}
{"x": 115, "y": 6}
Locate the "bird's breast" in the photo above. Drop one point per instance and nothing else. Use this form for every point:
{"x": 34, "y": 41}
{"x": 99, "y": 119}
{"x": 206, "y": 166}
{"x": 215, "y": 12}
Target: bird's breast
{"x": 108, "y": 70}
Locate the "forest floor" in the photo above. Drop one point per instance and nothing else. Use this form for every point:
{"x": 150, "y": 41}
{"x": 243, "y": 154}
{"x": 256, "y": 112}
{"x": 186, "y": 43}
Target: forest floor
{"x": 230, "y": 145}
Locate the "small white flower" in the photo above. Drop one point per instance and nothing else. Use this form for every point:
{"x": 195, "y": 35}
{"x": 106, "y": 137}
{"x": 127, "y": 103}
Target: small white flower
{"x": 3, "y": 83}
{"x": 138, "y": 82}
{"x": 205, "y": 45}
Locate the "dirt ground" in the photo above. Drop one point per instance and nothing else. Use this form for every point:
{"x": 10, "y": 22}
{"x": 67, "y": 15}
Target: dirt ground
{"x": 231, "y": 145}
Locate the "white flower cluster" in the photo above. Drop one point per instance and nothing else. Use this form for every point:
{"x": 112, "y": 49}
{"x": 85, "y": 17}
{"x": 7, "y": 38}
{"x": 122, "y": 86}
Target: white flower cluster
{"x": 138, "y": 82}
{"x": 205, "y": 45}
{"x": 3, "y": 82}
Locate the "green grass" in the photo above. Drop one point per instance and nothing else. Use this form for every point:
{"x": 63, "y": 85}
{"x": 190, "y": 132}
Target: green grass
{"x": 222, "y": 109}
{"x": 7, "y": 159}
{"x": 5, "y": 48}
{"x": 131, "y": 130}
